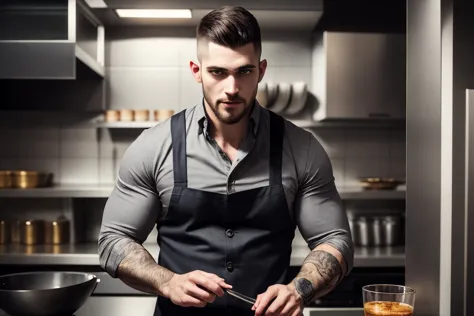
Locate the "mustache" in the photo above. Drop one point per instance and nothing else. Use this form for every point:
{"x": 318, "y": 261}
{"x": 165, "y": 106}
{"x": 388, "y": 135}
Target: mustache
{"x": 235, "y": 98}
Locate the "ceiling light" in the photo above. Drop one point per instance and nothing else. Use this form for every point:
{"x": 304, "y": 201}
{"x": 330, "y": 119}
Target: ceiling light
{"x": 152, "y": 13}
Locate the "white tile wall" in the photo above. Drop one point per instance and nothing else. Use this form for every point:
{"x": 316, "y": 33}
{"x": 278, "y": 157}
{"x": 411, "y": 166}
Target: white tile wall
{"x": 356, "y": 153}
{"x": 78, "y": 143}
{"x": 143, "y": 88}
{"x": 147, "y": 72}
{"x": 79, "y": 171}
{"x": 144, "y": 52}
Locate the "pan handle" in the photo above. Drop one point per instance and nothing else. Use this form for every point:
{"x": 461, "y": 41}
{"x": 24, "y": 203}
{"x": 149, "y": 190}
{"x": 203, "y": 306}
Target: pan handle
{"x": 95, "y": 286}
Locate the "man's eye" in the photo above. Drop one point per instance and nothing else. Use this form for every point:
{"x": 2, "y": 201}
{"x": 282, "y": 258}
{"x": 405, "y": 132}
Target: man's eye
{"x": 245, "y": 71}
{"x": 217, "y": 72}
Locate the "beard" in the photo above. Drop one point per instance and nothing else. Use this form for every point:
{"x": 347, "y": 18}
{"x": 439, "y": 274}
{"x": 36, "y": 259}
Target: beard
{"x": 230, "y": 116}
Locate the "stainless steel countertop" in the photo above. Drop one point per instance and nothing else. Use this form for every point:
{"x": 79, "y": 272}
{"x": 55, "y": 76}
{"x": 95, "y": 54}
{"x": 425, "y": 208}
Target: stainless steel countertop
{"x": 145, "y": 306}
{"x": 86, "y": 254}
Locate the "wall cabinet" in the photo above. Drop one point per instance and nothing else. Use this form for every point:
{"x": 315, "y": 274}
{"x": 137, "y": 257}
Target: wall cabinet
{"x": 359, "y": 75}
{"x": 51, "y": 56}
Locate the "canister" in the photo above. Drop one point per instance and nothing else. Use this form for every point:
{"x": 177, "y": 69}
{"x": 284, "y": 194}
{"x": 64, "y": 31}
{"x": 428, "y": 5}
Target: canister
{"x": 362, "y": 232}
{"x": 391, "y": 228}
{"x": 57, "y": 231}
{"x": 5, "y": 236}
{"x": 31, "y": 232}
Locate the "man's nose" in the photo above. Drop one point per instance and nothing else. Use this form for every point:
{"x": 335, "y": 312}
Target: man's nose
{"x": 231, "y": 86}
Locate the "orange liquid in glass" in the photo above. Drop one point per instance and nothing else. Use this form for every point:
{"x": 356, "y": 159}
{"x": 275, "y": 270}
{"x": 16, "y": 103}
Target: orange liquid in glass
{"x": 387, "y": 309}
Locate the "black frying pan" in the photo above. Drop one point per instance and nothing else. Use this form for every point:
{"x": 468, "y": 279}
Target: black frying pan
{"x": 45, "y": 293}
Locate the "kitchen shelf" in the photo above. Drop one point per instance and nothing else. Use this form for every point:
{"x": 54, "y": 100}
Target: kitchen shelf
{"x": 300, "y": 123}
{"x": 360, "y": 194}
{"x": 103, "y": 191}
{"x": 124, "y": 124}
{"x": 60, "y": 191}
{"x": 86, "y": 254}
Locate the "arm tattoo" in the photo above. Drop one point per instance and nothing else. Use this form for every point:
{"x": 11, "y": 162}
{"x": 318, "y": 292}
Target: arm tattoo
{"x": 140, "y": 271}
{"x": 322, "y": 270}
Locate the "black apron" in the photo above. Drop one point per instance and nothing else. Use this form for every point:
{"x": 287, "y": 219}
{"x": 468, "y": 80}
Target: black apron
{"x": 244, "y": 237}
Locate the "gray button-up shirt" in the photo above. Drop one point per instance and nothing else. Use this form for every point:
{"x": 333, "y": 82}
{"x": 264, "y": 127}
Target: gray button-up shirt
{"x": 145, "y": 181}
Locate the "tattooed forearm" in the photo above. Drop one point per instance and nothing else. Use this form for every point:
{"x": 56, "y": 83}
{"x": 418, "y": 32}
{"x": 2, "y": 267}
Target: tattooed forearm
{"x": 140, "y": 271}
{"x": 323, "y": 271}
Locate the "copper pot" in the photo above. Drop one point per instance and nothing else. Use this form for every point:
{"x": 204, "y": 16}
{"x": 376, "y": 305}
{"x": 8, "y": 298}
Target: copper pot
{"x": 56, "y": 232}
{"x": 112, "y": 116}
{"x": 4, "y": 232}
{"x": 161, "y": 115}
{"x": 31, "y": 179}
{"x": 15, "y": 230}
{"x": 5, "y": 179}
{"x": 141, "y": 115}
{"x": 32, "y": 232}
{"x": 126, "y": 115}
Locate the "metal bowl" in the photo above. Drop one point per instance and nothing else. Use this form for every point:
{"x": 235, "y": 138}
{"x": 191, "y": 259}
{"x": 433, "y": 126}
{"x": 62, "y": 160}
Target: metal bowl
{"x": 45, "y": 293}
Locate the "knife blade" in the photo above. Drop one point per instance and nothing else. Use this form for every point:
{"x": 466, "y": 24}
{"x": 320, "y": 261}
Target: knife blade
{"x": 241, "y": 296}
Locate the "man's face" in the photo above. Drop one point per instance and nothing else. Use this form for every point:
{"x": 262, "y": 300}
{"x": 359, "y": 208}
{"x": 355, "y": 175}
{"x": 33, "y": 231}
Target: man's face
{"x": 229, "y": 79}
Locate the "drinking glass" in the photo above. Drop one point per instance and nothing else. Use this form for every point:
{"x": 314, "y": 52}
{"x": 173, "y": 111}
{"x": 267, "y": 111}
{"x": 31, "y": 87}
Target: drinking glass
{"x": 388, "y": 300}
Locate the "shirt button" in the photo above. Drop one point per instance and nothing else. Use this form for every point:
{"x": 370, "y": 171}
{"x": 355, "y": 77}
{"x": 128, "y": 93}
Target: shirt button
{"x": 230, "y": 266}
{"x": 230, "y": 233}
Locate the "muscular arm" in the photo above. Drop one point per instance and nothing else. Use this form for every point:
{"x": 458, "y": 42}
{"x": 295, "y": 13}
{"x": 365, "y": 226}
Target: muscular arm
{"x": 129, "y": 216}
{"x": 140, "y": 271}
{"x": 323, "y": 223}
{"x": 323, "y": 268}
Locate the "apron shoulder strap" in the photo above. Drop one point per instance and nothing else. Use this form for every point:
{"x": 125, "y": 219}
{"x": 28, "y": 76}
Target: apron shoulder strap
{"x": 277, "y": 129}
{"x": 178, "y": 143}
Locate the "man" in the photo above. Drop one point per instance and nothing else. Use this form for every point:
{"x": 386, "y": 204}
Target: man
{"x": 226, "y": 182}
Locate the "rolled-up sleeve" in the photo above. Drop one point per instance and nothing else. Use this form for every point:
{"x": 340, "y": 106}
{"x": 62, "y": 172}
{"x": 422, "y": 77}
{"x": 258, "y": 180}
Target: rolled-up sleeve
{"x": 318, "y": 208}
{"x": 132, "y": 209}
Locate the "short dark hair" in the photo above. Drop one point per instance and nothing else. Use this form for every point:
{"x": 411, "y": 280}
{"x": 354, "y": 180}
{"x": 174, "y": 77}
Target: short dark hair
{"x": 230, "y": 26}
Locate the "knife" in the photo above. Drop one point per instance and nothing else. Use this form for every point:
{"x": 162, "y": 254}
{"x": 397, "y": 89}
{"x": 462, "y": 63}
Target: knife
{"x": 241, "y": 296}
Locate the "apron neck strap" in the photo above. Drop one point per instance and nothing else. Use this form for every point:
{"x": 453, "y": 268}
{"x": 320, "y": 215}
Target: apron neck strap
{"x": 178, "y": 139}
{"x": 276, "y": 148}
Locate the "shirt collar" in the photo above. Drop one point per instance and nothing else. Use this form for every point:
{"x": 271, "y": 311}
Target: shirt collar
{"x": 203, "y": 118}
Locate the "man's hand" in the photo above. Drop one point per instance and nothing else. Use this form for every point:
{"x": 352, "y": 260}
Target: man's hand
{"x": 279, "y": 299}
{"x": 196, "y": 288}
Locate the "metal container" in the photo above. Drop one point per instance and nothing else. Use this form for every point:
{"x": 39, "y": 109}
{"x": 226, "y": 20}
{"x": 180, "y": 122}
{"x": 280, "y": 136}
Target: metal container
{"x": 362, "y": 232}
{"x": 5, "y": 179}
{"x": 377, "y": 232}
{"x": 392, "y": 230}
{"x": 31, "y": 179}
{"x": 15, "y": 231}
{"x": 141, "y": 115}
{"x": 126, "y": 115}
{"x": 5, "y": 236}
{"x": 161, "y": 115}
{"x": 56, "y": 232}
{"x": 112, "y": 116}
{"x": 32, "y": 232}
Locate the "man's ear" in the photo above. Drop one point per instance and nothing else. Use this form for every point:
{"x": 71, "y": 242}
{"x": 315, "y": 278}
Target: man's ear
{"x": 196, "y": 70}
{"x": 262, "y": 68}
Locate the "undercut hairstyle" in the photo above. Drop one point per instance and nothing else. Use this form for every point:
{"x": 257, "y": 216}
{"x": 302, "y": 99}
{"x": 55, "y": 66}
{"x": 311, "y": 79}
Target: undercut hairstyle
{"x": 232, "y": 27}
